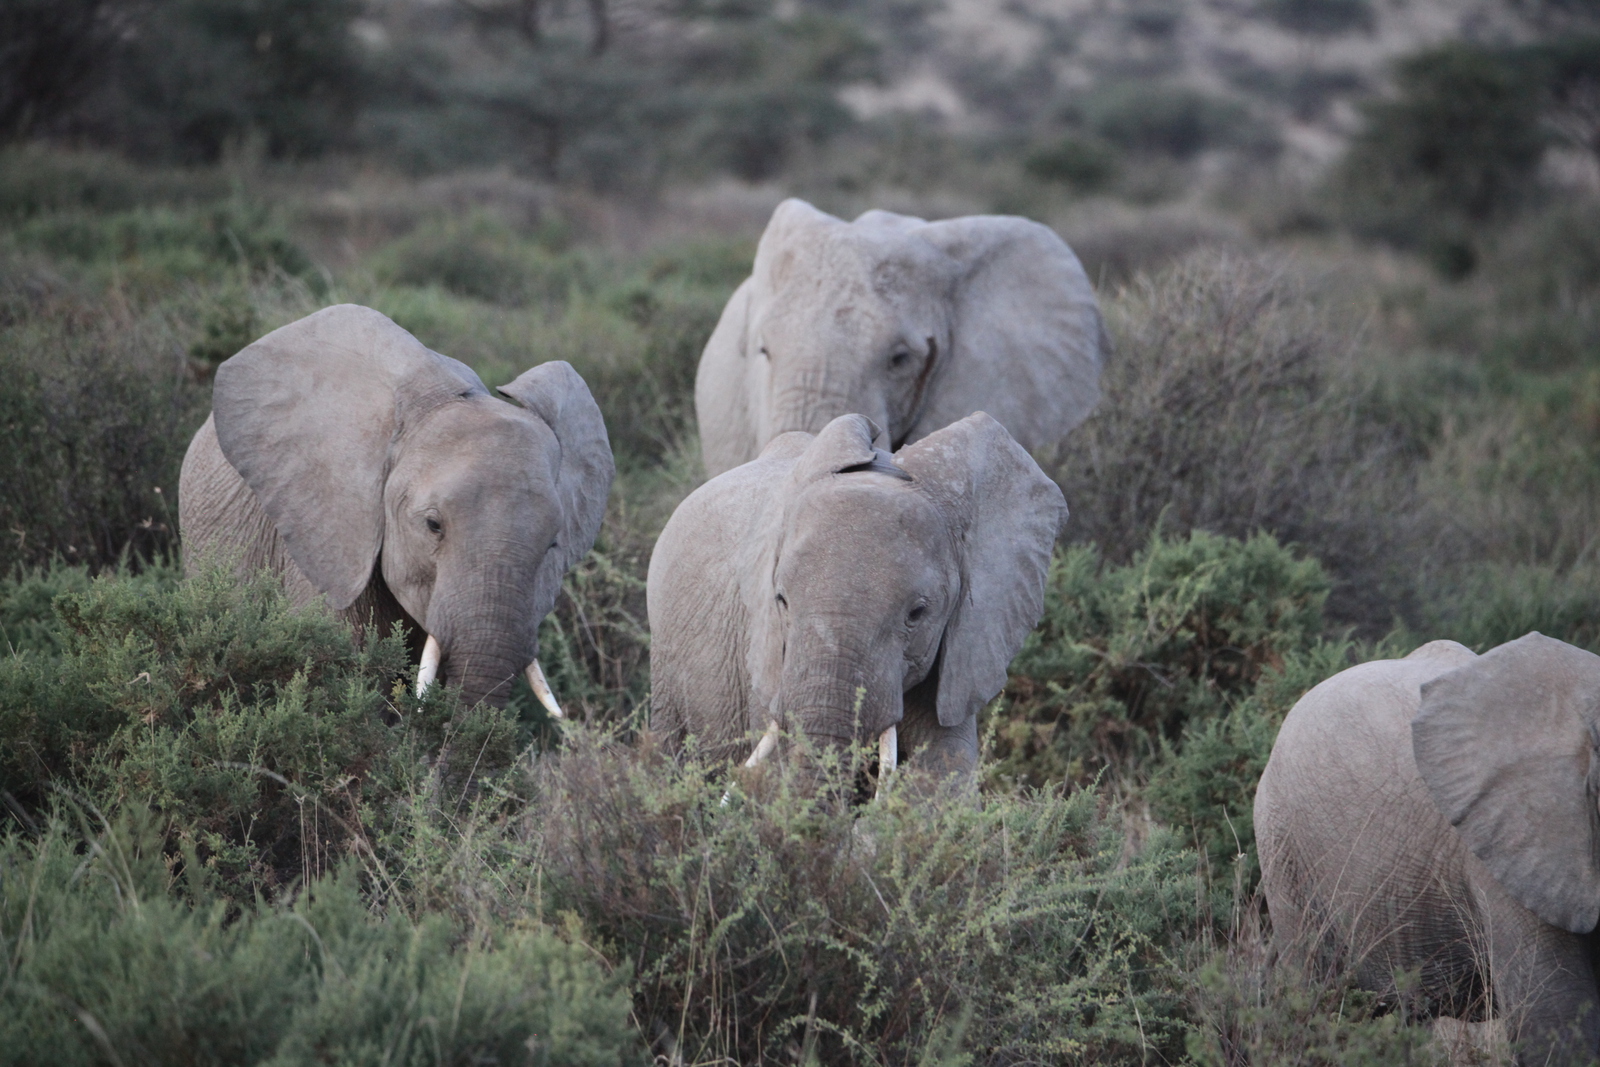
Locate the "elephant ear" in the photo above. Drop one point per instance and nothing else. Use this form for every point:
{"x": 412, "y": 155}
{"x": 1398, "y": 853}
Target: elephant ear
{"x": 1027, "y": 341}
{"x": 1508, "y": 747}
{"x": 1007, "y": 515}
{"x": 306, "y": 415}
{"x": 559, "y": 397}
{"x": 844, "y": 445}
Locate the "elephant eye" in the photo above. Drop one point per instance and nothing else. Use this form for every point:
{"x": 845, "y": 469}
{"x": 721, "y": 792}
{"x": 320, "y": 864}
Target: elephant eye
{"x": 899, "y": 359}
{"x": 917, "y": 613}
{"x": 782, "y": 603}
{"x": 433, "y": 525}
{"x": 765, "y": 353}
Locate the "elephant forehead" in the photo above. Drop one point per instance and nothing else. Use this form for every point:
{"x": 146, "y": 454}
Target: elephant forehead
{"x": 863, "y": 522}
{"x": 481, "y": 442}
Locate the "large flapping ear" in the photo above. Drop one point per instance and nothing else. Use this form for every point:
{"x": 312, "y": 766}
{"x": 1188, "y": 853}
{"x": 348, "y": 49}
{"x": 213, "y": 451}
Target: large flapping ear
{"x": 1007, "y": 515}
{"x": 721, "y": 388}
{"x": 306, "y": 415}
{"x": 845, "y": 444}
{"x": 1508, "y": 747}
{"x": 1027, "y": 341}
{"x": 558, "y": 395}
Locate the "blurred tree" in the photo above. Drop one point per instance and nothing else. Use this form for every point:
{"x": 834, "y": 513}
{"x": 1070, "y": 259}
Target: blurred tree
{"x": 51, "y": 52}
{"x": 1321, "y": 17}
{"x": 1567, "y": 70}
{"x": 199, "y": 74}
{"x": 1461, "y": 136}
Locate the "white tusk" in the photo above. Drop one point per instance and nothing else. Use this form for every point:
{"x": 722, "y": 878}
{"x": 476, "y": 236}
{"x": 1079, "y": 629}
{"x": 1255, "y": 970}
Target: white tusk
{"x": 888, "y": 755}
{"x": 428, "y": 669}
{"x": 541, "y": 689}
{"x": 764, "y": 747}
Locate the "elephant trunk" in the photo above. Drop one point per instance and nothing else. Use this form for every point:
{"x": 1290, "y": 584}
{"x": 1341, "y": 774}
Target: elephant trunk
{"x": 481, "y": 634}
{"x": 840, "y": 697}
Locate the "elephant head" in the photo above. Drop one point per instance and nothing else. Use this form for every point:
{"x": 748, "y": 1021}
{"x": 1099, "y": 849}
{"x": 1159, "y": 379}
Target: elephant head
{"x": 1509, "y": 746}
{"x": 377, "y": 459}
{"x": 882, "y": 589}
{"x": 913, "y": 324}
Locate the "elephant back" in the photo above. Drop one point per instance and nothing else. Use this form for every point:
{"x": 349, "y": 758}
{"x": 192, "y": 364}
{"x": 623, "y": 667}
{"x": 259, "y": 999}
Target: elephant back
{"x": 1359, "y": 869}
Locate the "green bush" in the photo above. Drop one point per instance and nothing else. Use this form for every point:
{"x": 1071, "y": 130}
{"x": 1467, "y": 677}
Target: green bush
{"x": 1127, "y": 656}
{"x": 168, "y": 244}
{"x": 94, "y": 421}
{"x": 1228, "y": 408}
{"x": 1085, "y": 164}
{"x": 1170, "y": 120}
{"x": 478, "y": 257}
{"x": 919, "y": 928}
{"x": 115, "y": 951}
{"x": 261, "y": 731}
{"x": 38, "y": 179}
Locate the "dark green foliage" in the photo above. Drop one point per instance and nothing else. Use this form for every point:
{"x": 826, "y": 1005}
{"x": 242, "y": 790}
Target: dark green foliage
{"x": 1171, "y": 120}
{"x": 1085, "y": 164}
{"x": 786, "y": 925}
{"x": 50, "y": 53}
{"x": 118, "y": 952}
{"x": 1489, "y": 605}
{"x": 230, "y": 325}
{"x": 1127, "y": 656}
{"x": 1205, "y": 780}
{"x": 480, "y": 257}
{"x": 261, "y": 731}
{"x": 91, "y": 434}
{"x": 1458, "y": 144}
{"x": 200, "y": 75}
{"x": 34, "y": 180}
{"x": 1321, "y": 17}
{"x": 210, "y": 242}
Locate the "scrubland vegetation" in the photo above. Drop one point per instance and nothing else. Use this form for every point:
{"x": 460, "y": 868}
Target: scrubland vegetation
{"x": 1344, "y": 415}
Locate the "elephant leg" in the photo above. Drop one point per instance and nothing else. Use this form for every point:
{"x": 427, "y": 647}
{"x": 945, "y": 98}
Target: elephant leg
{"x": 1544, "y": 986}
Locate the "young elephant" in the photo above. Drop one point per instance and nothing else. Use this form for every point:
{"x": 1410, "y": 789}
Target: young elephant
{"x": 911, "y": 323}
{"x": 366, "y": 469}
{"x": 1437, "y": 814}
{"x": 833, "y": 588}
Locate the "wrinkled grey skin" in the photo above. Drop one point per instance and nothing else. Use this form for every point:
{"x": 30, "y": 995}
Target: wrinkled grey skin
{"x": 826, "y": 567}
{"x": 913, "y": 324}
{"x": 364, "y": 468}
{"x": 1437, "y": 814}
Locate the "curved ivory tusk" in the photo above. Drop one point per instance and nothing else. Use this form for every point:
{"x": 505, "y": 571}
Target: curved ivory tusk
{"x": 541, "y": 689}
{"x": 888, "y": 754}
{"x": 428, "y": 669}
{"x": 764, "y": 747}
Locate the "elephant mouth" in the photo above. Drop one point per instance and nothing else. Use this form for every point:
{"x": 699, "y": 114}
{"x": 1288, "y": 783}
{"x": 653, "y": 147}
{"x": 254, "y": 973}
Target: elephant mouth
{"x": 433, "y": 656}
{"x": 888, "y": 753}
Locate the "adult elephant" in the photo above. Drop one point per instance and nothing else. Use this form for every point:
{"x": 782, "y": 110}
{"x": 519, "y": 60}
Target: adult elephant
{"x": 831, "y": 588}
{"x": 1437, "y": 814}
{"x": 366, "y": 469}
{"x": 911, "y": 323}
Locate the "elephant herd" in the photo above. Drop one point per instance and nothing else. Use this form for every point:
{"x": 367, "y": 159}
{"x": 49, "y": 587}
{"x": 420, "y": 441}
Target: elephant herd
{"x": 869, "y": 554}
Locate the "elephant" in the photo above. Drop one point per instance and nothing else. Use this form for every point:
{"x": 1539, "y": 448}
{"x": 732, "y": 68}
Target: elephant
{"x": 913, "y": 324}
{"x": 1437, "y": 814}
{"x": 833, "y": 589}
{"x": 368, "y": 470}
